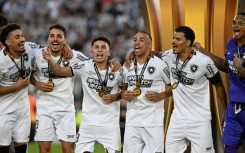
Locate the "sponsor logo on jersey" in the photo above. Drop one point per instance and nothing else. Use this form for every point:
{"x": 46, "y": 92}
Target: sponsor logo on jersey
{"x": 70, "y": 136}
{"x": 209, "y": 149}
{"x": 151, "y": 69}
{"x": 194, "y": 68}
{"x": 95, "y": 84}
{"x": 144, "y": 83}
{"x": 182, "y": 77}
{"x": 15, "y": 76}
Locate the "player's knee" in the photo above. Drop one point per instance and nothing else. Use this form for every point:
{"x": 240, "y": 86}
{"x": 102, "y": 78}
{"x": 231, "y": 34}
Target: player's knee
{"x": 4, "y": 149}
{"x": 44, "y": 150}
{"x": 67, "y": 150}
{"x": 230, "y": 149}
{"x": 67, "y": 147}
{"x": 21, "y": 148}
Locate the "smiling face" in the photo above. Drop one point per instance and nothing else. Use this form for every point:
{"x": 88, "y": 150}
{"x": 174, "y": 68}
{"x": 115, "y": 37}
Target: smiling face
{"x": 180, "y": 43}
{"x": 15, "y": 41}
{"x": 56, "y": 40}
{"x": 239, "y": 30}
{"x": 142, "y": 44}
{"x": 100, "y": 51}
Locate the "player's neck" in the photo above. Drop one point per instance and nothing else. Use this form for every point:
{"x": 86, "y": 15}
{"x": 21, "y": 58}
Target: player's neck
{"x": 183, "y": 56}
{"x": 241, "y": 42}
{"x": 56, "y": 54}
{"x": 13, "y": 54}
{"x": 101, "y": 65}
{"x": 141, "y": 59}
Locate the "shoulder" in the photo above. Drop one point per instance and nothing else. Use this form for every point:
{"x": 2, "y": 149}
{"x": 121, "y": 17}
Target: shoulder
{"x": 79, "y": 55}
{"x": 201, "y": 58}
{"x": 31, "y": 46}
{"x": 231, "y": 43}
{"x": 3, "y": 55}
{"x": 157, "y": 61}
{"x": 37, "y": 53}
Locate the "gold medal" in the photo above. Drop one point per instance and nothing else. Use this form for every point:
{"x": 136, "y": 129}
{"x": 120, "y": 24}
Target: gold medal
{"x": 137, "y": 91}
{"x": 51, "y": 83}
{"x": 175, "y": 85}
{"x": 102, "y": 93}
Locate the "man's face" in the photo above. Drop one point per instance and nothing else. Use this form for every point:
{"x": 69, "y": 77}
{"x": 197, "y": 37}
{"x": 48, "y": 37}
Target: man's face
{"x": 180, "y": 43}
{"x": 100, "y": 51}
{"x": 16, "y": 41}
{"x": 56, "y": 40}
{"x": 238, "y": 26}
{"x": 141, "y": 44}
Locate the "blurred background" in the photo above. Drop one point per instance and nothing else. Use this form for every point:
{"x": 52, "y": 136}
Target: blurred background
{"x": 84, "y": 20}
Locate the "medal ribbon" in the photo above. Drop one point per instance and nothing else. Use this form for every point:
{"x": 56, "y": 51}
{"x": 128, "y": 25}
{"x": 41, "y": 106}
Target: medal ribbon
{"x": 102, "y": 83}
{"x": 22, "y": 68}
{"x": 51, "y": 74}
{"x": 138, "y": 80}
{"x": 183, "y": 65}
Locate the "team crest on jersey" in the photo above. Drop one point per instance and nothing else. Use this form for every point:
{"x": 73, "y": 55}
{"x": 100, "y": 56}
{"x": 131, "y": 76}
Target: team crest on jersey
{"x": 194, "y": 68}
{"x": 111, "y": 76}
{"x": 25, "y": 56}
{"x": 66, "y": 62}
{"x": 151, "y": 69}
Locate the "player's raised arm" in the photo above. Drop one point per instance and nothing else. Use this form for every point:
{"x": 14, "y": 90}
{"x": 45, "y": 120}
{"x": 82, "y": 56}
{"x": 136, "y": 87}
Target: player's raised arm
{"x": 61, "y": 71}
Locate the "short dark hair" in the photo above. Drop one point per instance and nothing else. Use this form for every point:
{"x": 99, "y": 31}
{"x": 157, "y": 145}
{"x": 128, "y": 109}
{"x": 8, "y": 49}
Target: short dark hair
{"x": 102, "y": 38}
{"x": 58, "y": 26}
{"x": 3, "y": 20}
{"x": 146, "y": 33}
{"x": 5, "y": 30}
{"x": 189, "y": 33}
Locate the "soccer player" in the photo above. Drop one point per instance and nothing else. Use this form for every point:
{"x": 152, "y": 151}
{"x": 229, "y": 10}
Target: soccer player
{"x": 144, "y": 88}
{"x": 15, "y": 69}
{"x": 55, "y": 100}
{"x": 234, "y": 65}
{"x": 190, "y": 73}
{"x": 101, "y": 107}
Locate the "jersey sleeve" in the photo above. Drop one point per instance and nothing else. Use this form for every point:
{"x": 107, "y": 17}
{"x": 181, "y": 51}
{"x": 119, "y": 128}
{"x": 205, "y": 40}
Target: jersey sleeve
{"x": 78, "y": 68}
{"x": 211, "y": 70}
{"x": 120, "y": 79}
{"x": 80, "y": 56}
{"x": 166, "y": 73}
{"x": 124, "y": 75}
{"x": 34, "y": 59}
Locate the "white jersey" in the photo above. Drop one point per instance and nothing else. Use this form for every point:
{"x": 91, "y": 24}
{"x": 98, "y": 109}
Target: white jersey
{"x": 61, "y": 98}
{"x": 9, "y": 74}
{"x": 141, "y": 111}
{"x": 191, "y": 97}
{"x": 95, "y": 111}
